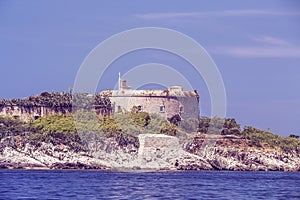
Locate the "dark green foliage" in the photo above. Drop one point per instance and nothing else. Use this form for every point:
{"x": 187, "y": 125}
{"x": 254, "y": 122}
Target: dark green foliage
{"x": 101, "y": 101}
{"x": 203, "y": 124}
{"x": 231, "y": 124}
{"x": 169, "y": 129}
{"x": 88, "y": 102}
{"x": 124, "y": 139}
{"x": 294, "y": 136}
{"x": 58, "y": 124}
{"x": 175, "y": 119}
{"x": 217, "y": 125}
{"x": 39, "y": 131}
{"x": 56, "y": 129}
{"x": 86, "y": 121}
{"x": 235, "y": 131}
{"x": 137, "y": 122}
{"x": 156, "y": 124}
{"x": 57, "y": 101}
{"x": 66, "y": 128}
{"x": 140, "y": 118}
{"x": 109, "y": 126}
{"x": 289, "y": 144}
{"x": 127, "y": 125}
{"x": 261, "y": 138}
{"x": 189, "y": 125}
{"x": 10, "y": 126}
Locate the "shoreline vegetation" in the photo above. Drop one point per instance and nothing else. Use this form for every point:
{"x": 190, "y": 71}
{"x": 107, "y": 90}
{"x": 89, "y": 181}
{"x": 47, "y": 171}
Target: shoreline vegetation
{"x": 84, "y": 140}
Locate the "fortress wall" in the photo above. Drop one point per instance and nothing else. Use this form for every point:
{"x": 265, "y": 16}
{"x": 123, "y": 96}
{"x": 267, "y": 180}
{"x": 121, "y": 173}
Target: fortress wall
{"x": 154, "y": 143}
{"x": 34, "y": 112}
{"x": 152, "y": 105}
{"x": 190, "y": 107}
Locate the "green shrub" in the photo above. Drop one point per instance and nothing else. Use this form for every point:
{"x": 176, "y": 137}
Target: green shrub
{"x": 156, "y": 124}
{"x": 175, "y": 119}
{"x": 258, "y": 138}
{"x": 127, "y": 125}
{"x": 169, "y": 129}
{"x": 10, "y": 126}
{"x": 109, "y": 126}
{"x": 294, "y": 136}
{"x": 140, "y": 118}
{"x": 57, "y": 123}
{"x": 216, "y": 125}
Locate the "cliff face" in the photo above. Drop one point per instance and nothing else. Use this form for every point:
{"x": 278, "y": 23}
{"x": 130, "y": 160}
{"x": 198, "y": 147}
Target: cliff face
{"x": 148, "y": 151}
{"x": 233, "y": 153}
{"x": 57, "y": 153}
{"x": 27, "y": 113}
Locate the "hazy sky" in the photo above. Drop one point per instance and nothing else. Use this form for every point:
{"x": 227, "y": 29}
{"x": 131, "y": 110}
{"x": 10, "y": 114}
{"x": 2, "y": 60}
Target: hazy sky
{"x": 255, "y": 44}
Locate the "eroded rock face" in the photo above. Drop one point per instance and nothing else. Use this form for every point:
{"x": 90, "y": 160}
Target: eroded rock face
{"x": 47, "y": 156}
{"x": 153, "y": 151}
{"x": 232, "y": 153}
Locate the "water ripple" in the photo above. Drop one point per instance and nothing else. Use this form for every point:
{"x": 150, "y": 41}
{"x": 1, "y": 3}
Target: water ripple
{"x": 79, "y": 184}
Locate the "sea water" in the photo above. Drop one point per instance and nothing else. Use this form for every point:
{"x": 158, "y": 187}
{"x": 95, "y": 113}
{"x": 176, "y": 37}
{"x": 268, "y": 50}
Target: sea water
{"x": 84, "y": 184}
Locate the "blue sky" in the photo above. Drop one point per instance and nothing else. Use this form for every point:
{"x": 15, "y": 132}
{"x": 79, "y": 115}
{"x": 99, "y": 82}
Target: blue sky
{"x": 255, "y": 44}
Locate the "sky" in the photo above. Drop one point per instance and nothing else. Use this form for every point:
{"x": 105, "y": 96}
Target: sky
{"x": 255, "y": 45}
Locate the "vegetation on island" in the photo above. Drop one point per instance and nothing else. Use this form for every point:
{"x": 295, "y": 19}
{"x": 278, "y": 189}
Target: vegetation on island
{"x": 262, "y": 138}
{"x": 66, "y": 129}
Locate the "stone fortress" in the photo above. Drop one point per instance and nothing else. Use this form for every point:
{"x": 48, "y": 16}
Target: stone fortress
{"x": 166, "y": 103}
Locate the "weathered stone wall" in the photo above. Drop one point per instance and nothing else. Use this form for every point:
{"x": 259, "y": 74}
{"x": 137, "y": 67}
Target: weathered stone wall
{"x": 153, "y": 143}
{"x": 46, "y": 103}
{"x": 172, "y": 104}
{"x": 32, "y": 112}
{"x": 190, "y": 107}
{"x": 158, "y": 151}
{"x": 35, "y": 112}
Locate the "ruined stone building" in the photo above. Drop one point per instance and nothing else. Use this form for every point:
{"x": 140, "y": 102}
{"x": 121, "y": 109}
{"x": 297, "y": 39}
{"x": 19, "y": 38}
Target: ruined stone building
{"x": 34, "y": 107}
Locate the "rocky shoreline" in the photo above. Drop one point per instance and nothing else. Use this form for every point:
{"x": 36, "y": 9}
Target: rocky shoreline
{"x": 137, "y": 140}
{"x": 156, "y": 152}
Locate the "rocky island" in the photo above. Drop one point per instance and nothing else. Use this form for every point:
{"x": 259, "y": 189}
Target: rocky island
{"x": 132, "y": 140}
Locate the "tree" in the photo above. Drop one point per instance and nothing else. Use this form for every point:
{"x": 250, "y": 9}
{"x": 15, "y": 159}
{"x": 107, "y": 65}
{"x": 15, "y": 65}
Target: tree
{"x": 140, "y": 118}
{"x": 175, "y": 119}
{"x": 169, "y": 129}
{"x": 294, "y": 136}
{"x": 189, "y": 125}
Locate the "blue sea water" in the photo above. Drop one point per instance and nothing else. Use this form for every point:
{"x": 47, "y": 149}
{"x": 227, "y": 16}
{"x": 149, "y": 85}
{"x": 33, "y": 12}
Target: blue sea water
{"x": 81, "y": 184}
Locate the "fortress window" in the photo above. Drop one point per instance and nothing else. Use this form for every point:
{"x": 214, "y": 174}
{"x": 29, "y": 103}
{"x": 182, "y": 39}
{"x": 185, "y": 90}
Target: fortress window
{"x": 139, "y": 108}
{"x": 162, "y": 109}
{"x": 181, "y": 110}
